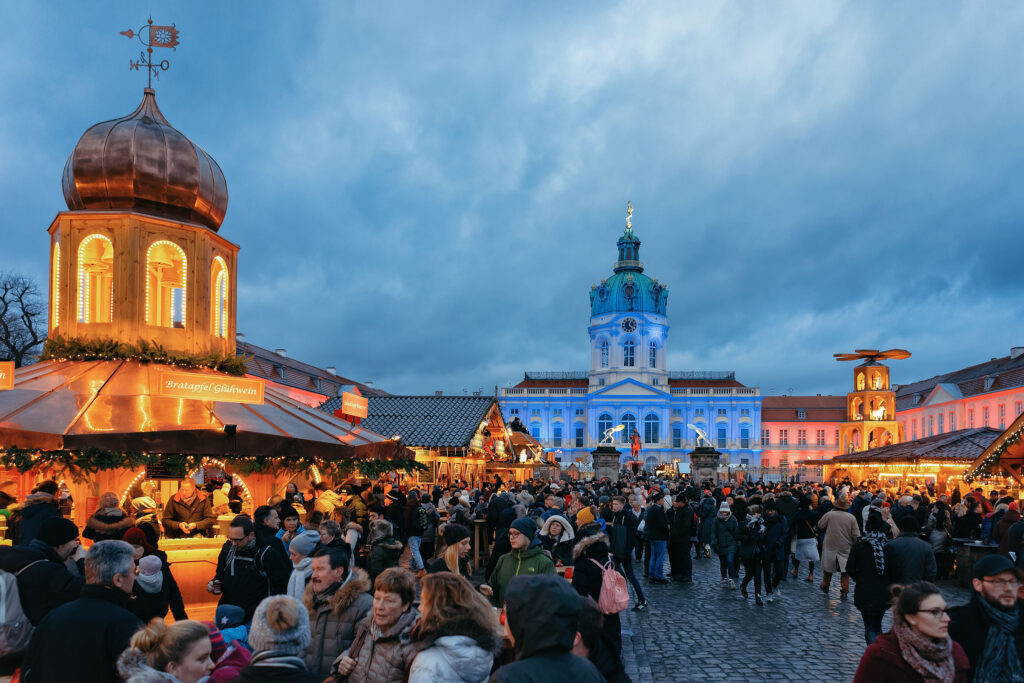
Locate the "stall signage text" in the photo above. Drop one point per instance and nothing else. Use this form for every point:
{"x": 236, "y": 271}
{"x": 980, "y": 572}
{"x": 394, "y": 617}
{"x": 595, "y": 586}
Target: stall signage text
{"x": 210, "y": 388}
{"x": 353, "y": 404}
{"x": 6, "y": 375}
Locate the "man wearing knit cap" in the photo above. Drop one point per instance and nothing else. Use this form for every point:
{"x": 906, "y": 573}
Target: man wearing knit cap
{"x": 44, "y": 581}
{"x": 656, "y": 531}
{"x": 526, "y": 558}
{"x": 279, "y": 636}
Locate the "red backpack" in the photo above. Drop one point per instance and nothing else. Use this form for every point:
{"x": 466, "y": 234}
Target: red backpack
{"x": 614, "y": 595}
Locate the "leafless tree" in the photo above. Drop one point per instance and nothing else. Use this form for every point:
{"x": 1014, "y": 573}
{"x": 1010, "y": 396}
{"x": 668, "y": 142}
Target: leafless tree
{"x": 22, "y": 318}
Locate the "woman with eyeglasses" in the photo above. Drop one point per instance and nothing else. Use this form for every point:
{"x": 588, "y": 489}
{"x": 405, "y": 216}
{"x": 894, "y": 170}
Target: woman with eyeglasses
{"x": 918, "y": 648}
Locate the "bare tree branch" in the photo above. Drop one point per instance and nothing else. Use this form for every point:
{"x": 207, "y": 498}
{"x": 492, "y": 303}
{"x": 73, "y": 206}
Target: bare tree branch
{"x": 22, "y": 318}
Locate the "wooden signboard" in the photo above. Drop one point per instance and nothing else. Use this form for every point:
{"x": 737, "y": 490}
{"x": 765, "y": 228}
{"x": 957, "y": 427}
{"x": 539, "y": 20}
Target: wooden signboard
{"x": 6, "y": 375}
{"x": 210, "y": 387}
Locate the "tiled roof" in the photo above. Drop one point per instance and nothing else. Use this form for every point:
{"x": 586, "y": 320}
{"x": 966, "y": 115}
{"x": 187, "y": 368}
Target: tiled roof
{"x": 424, "y": 421}
{"x": 819, "y": 408}
{"x": 704, "y": 383}
{"x": 1005, "y": 373}
{"x": 962, "y": 445}
{"x": 553, "y": 383}
{"x": 294, "y": 373}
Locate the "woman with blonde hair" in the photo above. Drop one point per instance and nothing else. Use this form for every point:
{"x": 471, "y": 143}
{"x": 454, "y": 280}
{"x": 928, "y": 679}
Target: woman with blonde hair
{"x": 179, "y": 652}
{"x": 458, "y": 631}
{"x": 454, "y": 557}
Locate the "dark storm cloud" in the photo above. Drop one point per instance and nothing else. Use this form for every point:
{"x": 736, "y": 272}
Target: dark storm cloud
{"x": 424, "y": 194}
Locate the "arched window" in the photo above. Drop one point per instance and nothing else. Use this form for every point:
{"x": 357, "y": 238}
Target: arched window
{"x": 166, "y": 269}
{"x": 95, "y": 280}
{"x": 220, "y": 298}
{"x": 604, "y": 423}
{"x": 629, "y": 354}
{"x": 55, "y": 284}
{"x": 652, "y": 358}
{"x": 652, "y": 428}
{"x": 604, "y": 353}
{"x": 629, "y": 426}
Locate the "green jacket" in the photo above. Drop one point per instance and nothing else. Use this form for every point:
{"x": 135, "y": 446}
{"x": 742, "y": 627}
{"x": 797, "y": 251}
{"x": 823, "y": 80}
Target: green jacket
{"x": 515, "y": 563}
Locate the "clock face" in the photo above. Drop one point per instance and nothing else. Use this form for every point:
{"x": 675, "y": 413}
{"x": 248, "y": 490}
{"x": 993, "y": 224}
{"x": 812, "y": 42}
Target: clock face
{"x": 629, "y": 325}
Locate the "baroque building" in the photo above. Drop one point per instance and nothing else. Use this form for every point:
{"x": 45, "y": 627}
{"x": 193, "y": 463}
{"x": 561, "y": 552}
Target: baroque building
{"x": 629, "y": 384}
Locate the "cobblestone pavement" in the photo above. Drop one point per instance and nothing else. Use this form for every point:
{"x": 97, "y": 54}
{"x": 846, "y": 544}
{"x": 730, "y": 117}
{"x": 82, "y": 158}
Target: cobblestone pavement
{"x": 700, "y": 631}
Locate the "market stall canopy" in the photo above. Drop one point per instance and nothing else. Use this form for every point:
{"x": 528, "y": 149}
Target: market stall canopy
{"x": 1003, "y": 457}
{"x": 963, "y": 445}
{"x": 115, "y": 406}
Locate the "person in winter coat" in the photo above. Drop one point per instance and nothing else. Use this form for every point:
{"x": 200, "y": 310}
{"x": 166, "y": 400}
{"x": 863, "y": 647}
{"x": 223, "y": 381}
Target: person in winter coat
{"x": 428, "y": 546}
{"x": 228, "y": 658}
{"x": 526, "y": 557}
{"x": 147, "y": 519}
{"x": 149, "y": 594}
{"x": 968, "y": 525}
{"x": 841, "y": 532}
{"x": 542, "y": 652}
{"x": 385, "y": 549}
{"x": 189, "y": 512}
{"x": 457, "y": 633}
{"x": 866, "y": 566}
{"x": 1000, "y": 533}
{"x": 80, "y": 641}
{"x": 750, "y": 539}
{"x": 279, "y": 636}
{"x": 908, "y": 558}
{"x": 290, "y": 525}
{"x": 383, "y": 650}
{"x": 656, "y": 531}
{"x": 557, "y": 537}
{"x": 395, "y": 512}
{"x": 724, "y": 530}
{"x": 109, "y": 522}
{"x": 137, "y": 538}
{"x": 623, "y": 537}
{"x": 300, "y": 552}
{"x": 248, "y": 571}
{"x": 682, "y": 524}
{"x": 37, "y": 507}
{"x": 43, "y": 579}
{"x": 918, "y": 648}
{"x": 805, "y": 529}
{"x": 414, "y": 521}
{"x": 592, "y": 555}
{"x": 592, "y": 643}
{"x": 337, "y": 599}
{"x": 176, "y": 653}
{"x": 776, "y": 542}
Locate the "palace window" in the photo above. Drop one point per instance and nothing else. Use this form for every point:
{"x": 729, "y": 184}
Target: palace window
{"x": 558, "y": 412}
{"x": 677, "y": 437}
{"x": 942, "y": 423}
{"x": 166, "y": 270}
{"x": 629, "y": 354}
{"x": 766, "y": 437}
{"x": 604, "y": 423}
{"x": 652, "y": 359}
{"x": 801, "y": 437}
{"x": 579, "y": 435}
{"x": 801, "y": 414}
{"x": 819, "y": 437}
{"x": 1018, "y": 408}
{"x": 744, "y": 412}
{"x": 783, "y": 437}
{"x": 604, "y": 354}
{"x": 95, "y": 279}
{"x": 721, "y": 437}
{"x": 952, "y": 422}
{"x": 629, "y": 425}
{"x": 699, "y": 412}
{"x": 970, "y": 418}
{"x": 579, "y": 411}
{"x": 535, "y": 431}
{"x": 984, "y": 416}
{"x": 745, "y": 437}
{"x": 513, "y": 411}
{"x": 677, "y": 412}
{"x": 535, "y": 411}
{"x": 652, "y": 427}
{"x": 931, "y": 425}
{"x": 722, "y": 412}
{"x": 556, "y": 436}
{"x": 1002, "y": 416}
{"x": 913, "y": 429}
{"x": 220, "y": 298}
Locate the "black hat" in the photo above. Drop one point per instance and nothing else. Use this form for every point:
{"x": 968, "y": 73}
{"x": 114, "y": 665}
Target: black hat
{"x": 993, "y": 565}
{"x": 393, "y": 495}
{"x": 453, "y": 533}
{"x": 656, "y": 496}
{"x": 288, "y": 511}
{"x": 57, "y": 531}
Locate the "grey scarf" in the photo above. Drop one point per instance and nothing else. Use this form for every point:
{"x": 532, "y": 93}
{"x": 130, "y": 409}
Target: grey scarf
{"x": 877, "y": 541}
{"x": 999, "y": 662}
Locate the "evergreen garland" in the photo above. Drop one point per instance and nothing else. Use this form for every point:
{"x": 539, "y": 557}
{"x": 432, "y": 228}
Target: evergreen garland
{"x": 58, "y": 348}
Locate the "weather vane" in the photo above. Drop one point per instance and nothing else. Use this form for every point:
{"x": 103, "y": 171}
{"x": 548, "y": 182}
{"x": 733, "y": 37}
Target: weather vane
{"x": 156, "y": 36}
{"x": 629, "y": 215}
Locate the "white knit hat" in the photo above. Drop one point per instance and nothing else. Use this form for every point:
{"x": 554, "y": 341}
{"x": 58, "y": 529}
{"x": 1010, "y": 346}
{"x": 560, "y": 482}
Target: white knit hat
{"x": 724, "y": 507}
{"x": 281, "y": 624}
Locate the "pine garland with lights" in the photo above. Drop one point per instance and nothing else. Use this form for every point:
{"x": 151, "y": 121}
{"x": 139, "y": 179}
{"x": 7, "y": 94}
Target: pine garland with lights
{"x": 59, "y": 348}
{"x": 993, "y": 458}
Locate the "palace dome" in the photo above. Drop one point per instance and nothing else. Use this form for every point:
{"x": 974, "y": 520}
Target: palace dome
{"x": 140, "y": 162}
{"x": 629, "y": 289}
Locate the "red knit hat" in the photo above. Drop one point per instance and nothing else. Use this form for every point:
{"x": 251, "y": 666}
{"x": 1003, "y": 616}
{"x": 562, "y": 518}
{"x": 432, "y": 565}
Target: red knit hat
{"x": 217, "y": 645}
{"x": 136, "y": 536}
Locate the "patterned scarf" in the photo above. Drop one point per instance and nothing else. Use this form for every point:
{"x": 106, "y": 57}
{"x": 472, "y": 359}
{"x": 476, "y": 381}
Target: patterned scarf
{"x": 931, "y": 658}
{"x": 999, "y": 661}
{"x": 877, "y": 541}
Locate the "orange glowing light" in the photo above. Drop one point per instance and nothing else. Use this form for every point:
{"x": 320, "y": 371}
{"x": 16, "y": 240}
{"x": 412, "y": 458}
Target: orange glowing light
{"x": 353, "y": 404}
{"x": 209, "y": 387}
{"x": 6, "y": 375}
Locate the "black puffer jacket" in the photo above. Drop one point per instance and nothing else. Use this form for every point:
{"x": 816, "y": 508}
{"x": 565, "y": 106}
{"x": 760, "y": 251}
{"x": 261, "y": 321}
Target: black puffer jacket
{"x": 871, "y": 593}
{"x": 588, "y": 577}
{"x": 36, "y": 509}
{"x": 544, "y": 653}
{"x": 656, "y": 526}
{"x": 43, "y": 585}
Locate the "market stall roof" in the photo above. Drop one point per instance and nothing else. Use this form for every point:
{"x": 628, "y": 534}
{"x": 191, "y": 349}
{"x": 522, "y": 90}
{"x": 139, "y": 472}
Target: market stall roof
{"x": 424, "y": 421}
{"x": 1004, "y": 456}
{"x": 963, "y": 445}
{"x": 113, "y": 405}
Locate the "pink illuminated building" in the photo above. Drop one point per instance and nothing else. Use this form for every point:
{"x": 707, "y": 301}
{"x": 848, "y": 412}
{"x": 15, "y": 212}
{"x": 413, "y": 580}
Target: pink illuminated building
{"x": 795, "y": 428}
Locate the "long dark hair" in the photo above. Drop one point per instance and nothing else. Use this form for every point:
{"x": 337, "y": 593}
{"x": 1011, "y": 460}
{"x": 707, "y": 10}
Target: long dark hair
{"x": 907, "y": 599}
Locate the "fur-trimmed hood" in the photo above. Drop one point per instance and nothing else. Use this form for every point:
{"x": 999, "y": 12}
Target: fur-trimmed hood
{"x": 582, "y": 544}
{"x": 342, "y": 599}
{"x": 132, "y": 668}
{"x": 109, "y": 528}
{"x": 567, "y": 532}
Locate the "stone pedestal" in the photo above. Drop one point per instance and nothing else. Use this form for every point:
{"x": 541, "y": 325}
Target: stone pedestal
{"x": 606, "y": 462}
{"x": 704, "y": 462}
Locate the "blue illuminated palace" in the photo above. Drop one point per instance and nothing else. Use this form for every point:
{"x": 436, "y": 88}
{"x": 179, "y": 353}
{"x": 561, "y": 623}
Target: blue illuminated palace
{"x": 629, "y": 384}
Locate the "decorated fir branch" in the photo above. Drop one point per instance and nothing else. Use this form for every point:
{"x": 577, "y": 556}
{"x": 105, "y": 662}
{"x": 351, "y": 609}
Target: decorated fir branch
{"x": 80, "y": 464}
{"x": 59, "y": 348}
{"x": 993, "y": 458}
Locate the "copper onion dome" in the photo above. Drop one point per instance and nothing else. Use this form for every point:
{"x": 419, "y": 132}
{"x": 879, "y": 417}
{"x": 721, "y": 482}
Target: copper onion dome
{"x": 141, "y": 162}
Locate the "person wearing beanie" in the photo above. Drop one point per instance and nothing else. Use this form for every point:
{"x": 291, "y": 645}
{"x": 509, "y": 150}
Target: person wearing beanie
{"x": 109, "y": 522}
{"x": 150, "y": 594}
{"x": 454, "y": 557}
{"x": 44, "y": 581}
{"x": 143, "y": 549}
{"x": 723, "y": 539}
{"x": 229, "y": 658}
{"x": 279, "y": 636}
{"x": 657, "y": 532}
{"x": 526, "y": 557}
{"x": 147, "y": 518}
{"x": 841, "y": 532}
{"x": 300, "y": 551}
{"x": 37, "y": 507}
{"x": 230, "y": 621}
{"x": 290, "y": 525}
{"x": 394, "y": 512}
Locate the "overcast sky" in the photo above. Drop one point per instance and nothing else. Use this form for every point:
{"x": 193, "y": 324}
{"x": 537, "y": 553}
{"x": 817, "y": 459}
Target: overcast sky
{"x": 424, "y": 192}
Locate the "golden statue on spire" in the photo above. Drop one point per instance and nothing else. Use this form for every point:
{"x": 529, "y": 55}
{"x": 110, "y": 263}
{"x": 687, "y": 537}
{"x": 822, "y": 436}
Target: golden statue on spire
{"x": 629, "y": 215}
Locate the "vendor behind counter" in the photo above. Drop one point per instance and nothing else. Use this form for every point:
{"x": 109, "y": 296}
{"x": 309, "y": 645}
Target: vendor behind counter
{"x": 189, "y": 512}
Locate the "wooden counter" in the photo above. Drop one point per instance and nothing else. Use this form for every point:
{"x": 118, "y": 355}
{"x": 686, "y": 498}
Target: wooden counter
{"x": 193, "y": 562}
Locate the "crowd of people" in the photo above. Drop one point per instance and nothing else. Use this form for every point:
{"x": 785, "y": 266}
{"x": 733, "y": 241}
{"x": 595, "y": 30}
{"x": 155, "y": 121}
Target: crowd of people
{"x": 374, "y": 583}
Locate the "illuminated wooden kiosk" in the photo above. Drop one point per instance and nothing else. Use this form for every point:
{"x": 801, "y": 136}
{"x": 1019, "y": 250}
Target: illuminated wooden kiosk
{"x": 139, "y": 384}
{"x": 1001, "y": 465}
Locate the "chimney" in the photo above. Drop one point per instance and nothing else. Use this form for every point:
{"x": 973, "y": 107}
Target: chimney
{"x": 438, "y": 393}
{"x": 368, "y": 383}
{"x": 331, "y": 370}
{"x": 240, "y": 336}
{"x": 281, "y": 352}
{"x": 1016, "y": 352}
